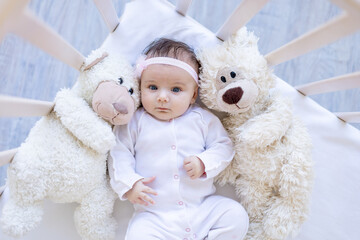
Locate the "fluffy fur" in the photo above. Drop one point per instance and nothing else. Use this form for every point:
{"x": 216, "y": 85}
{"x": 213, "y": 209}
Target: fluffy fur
{"x": 272, "y": 168}
{"x": 64, "y": 156}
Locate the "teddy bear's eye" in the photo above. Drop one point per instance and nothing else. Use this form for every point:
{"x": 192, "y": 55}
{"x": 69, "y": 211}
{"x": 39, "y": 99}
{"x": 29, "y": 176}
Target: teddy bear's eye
{"x": 131, "y": 91}
{"x": 223, "y": 79}
{"x": 120, "y": 80}
{"x": 233, "y": 74}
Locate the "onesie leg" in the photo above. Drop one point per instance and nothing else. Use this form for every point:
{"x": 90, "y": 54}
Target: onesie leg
{"x": 229, "y": 220}
{"x": 147, "y": 226}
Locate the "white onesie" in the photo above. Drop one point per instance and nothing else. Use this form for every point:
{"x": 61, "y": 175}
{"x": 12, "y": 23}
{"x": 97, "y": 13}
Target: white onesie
{"x": 184, "y": 208}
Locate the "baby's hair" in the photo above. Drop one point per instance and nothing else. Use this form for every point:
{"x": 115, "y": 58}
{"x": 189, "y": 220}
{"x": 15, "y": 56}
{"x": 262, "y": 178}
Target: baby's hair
{"x": 164, "y": 47}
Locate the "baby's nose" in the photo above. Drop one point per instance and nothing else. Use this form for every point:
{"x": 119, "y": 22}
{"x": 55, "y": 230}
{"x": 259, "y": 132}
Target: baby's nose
{"x": 163, "y": 97}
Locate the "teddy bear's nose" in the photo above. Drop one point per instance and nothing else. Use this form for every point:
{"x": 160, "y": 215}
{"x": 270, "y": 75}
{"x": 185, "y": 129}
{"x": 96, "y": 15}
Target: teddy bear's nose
{"x": 121, "y": 108}
{"x": 233, "y": 95}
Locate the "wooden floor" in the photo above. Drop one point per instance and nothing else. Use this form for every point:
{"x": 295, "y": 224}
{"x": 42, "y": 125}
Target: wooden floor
{"x": 28, "y": 72}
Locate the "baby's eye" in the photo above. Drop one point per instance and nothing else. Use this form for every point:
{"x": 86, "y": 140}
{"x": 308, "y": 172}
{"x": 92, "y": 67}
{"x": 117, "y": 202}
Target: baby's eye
{"x": 153, "y": 87}
{"x": 176, "y": 89}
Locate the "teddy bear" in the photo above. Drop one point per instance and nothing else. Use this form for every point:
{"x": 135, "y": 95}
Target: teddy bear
{"x": 272, "y": 168}
{"x": 64, "y": 157}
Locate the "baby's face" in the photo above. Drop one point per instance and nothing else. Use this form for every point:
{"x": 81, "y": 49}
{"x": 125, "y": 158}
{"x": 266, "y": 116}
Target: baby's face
{"x": 167, "y": 91}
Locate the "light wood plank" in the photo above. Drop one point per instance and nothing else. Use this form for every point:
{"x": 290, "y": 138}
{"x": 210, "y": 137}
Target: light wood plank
{"x": 2, "y": 189}
{"x": 108, "y": 13}
{"x": 9, "y": 11}
{"x": 325, "y": 34}
{"x": 350, "y": 6}
{"x": 339, "y": 83}
{"x": 7, "y": 156}
{"x": 21, "y": 107}
{"x": 182, "y": 6}
{"x": 38, "y": 33}
{"x": 246, "y": 10}
{"x": 351, "y": 117}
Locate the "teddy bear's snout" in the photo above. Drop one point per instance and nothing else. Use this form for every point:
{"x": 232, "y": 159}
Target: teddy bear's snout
{"x": 233, "y": 95}
{"x": 121, "y": 108}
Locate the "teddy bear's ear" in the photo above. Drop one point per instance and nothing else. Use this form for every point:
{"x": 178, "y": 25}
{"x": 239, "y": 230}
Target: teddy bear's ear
{"x": 96, "y": 61}
{"x": 242, "y": 38}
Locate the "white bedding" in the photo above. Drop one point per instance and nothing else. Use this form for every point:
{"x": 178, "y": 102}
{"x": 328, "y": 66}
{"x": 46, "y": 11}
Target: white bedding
{"x": 335, "y": 208}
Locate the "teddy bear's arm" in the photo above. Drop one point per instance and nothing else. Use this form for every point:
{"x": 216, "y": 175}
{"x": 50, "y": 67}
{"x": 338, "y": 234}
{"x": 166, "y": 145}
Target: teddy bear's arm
{"x": 77, "y": 116}
{"x": 264, "y": 129}
{"x": 294, "y": 187}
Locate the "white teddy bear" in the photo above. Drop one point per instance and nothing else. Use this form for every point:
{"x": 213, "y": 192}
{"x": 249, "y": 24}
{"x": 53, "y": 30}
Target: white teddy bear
{"x": 272, "y": 168}
{"x": 64, "y": 156}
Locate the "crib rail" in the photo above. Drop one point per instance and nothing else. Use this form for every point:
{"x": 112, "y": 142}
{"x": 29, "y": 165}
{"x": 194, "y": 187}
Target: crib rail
{"x": 7, "y": 156}
{"x": 352, "y": 117}
{"x": 344, "y": 82}
{"x": 23, "y": 107}
{"x": 331, "y": 31}
{"x": 9, "y": 10}
{"x": 108, "y": 13}
{"x": 242, "y": 14}
{"x": 182, "y": 6}
{"x": 20, "y": 107}
{"x": 17, "y": 19}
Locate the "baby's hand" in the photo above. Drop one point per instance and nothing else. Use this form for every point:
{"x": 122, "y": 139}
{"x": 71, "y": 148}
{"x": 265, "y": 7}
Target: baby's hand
{"x": 138, "y": 193}
{"x": 194, "y": 167}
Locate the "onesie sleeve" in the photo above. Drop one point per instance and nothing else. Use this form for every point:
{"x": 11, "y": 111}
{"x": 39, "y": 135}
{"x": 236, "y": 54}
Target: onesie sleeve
{"x": 121, "y": 163}
{"x": 218, "y": 147}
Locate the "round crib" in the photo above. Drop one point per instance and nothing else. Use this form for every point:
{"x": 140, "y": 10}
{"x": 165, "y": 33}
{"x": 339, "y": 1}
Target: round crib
{"x": 334, "y": 210}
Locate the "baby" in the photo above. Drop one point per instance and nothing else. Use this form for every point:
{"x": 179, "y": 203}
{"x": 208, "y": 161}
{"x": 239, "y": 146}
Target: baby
{"x": 166, "y": 158}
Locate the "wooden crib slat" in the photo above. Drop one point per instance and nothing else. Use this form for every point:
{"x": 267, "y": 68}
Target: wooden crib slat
{"x": 331, "y": 31}
{"x": 38, "y": 33}
{"x": 2, "y": 189}
{"x": 21, "y": 107}
{"x": 350, "y": 117}
{"x": 339, "y": 83}
{"x": 7, "y": 156}
{"x": 9, "y": 10}
{"x": 108, "y": 13}
{"x": 182, "y": 6}
{"x": 242, "y": 14}
{"x": 350, "y": 6}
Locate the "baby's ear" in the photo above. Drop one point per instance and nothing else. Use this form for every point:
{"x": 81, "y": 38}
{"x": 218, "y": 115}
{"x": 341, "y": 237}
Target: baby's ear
{"x": 96, "y": 61}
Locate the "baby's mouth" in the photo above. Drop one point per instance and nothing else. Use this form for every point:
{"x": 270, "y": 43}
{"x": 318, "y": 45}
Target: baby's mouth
{"x": 162, "y": 109}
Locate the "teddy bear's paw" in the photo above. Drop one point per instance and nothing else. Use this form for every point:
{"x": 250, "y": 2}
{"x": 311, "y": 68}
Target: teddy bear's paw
{"x": 98, "y": 230}
{"x": 278, "y": 224}
{"x": 106, "y": 231}
{"x": 17, "y": 221}
{"x": 255, "y": 231}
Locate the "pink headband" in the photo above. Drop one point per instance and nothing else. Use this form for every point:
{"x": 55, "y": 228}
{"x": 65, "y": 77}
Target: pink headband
{"x": 142, "y": 63}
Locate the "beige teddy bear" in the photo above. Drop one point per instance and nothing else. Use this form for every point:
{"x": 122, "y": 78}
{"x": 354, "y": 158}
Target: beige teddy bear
{"x": 272, "y": 168}
{"x": 64, "y": 156}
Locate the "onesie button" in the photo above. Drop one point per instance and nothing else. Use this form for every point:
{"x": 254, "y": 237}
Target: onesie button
{"x": 188, "y": 230}
{"x": 173, "y": 147}
{"x": 181, "y": 203}
{"x": 176, "y": 176}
